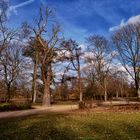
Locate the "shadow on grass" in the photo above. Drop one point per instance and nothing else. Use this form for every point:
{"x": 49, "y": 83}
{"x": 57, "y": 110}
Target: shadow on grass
{"x": 40, "y": 128}
{"x": 56, "y": 126}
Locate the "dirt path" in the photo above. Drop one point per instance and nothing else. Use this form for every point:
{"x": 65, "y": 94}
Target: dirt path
{"x": 38, "y": 110}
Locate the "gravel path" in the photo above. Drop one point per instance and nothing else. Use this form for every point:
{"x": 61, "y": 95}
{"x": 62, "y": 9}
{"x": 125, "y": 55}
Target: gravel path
{"x": 38, "y": 110}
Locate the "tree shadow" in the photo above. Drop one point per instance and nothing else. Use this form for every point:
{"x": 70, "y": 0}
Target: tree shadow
{"x": 57, "y": 126}
{"x": 43, "y": 128}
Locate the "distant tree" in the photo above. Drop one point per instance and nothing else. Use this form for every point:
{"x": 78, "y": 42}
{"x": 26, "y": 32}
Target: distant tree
{"x": 6, "y": 34}
{"x": 99, "y": 59}
{"x": 74, "y": 57}
{"x": 31, "y": 52}
{"x": 118, "y": 83}
{"x": 127, "y": 42}
{"x": 11, "y": 63}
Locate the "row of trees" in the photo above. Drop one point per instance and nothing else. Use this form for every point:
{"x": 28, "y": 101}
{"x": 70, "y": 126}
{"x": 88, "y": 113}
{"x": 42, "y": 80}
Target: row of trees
{"x": 43, "y": 47}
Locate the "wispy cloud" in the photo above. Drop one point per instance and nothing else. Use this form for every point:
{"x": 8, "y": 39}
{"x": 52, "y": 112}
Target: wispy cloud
{"x": 13, "y": 8}
{"x": 131, "y": 20}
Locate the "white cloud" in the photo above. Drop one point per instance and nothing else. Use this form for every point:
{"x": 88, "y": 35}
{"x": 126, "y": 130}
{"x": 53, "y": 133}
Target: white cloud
{"x": 83, "y": 47}
{"x": 13, "y": 8}
{"x": 132, "y": 20}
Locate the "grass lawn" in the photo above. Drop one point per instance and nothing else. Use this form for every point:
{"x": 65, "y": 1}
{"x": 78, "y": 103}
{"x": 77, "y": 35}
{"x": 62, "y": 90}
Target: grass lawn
{"x": 73, "y": 126}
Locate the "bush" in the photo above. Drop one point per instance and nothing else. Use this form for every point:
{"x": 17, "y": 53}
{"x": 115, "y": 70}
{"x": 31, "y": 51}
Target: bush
{"x": 13, "y": 106}
{"x": 82, "y": 105}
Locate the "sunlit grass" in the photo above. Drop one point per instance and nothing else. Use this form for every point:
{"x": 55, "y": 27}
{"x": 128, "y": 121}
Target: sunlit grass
{"x": 73, "y": 126}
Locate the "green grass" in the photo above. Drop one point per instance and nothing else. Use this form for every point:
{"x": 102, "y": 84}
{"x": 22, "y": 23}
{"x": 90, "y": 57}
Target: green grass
{"x": 74, "y": 126}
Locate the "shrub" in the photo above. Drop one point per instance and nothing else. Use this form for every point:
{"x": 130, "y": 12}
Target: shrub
{"x": 13, "y": 106}
{"x": 82, "y": 105}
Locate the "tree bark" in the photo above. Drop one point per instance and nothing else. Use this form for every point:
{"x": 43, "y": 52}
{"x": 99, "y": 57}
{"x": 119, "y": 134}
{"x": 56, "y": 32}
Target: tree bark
{"x": 46, "y": 97}
{"x": 117, "y": 94}
{"x": 80, "y": 86}
{"x": 137, "y": 87}
{"x": 105, "y": 90}
{"x": 138, "y": 92}
{"x": 47, "y": 83}
{"x": 34, "y": 82}
{"x": 8, "y": 93}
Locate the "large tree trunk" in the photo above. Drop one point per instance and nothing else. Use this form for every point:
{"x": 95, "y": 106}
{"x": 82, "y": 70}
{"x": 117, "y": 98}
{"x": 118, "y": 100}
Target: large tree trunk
{"x": 46, "y": 97}
{"x": 47, "y": 82}
{"x": 34, "y": 82}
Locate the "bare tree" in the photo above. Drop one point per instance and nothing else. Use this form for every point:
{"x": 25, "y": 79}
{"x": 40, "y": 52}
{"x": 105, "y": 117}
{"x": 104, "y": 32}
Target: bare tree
{"x": 6, "y": 34}
{"x": 99, "y": 59}
{"x": 46, "y": 37}
{"x": 32, "y": 52}
{"x": 117, "y": 83}
{"x": 74, "y": 57}
{"x": 127, "y": 42}
{"x": 12, "y": 65}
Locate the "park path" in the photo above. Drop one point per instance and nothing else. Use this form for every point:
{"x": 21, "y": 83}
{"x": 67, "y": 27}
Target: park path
{"x": 56, "y": 108}
{"x": 38, "y": 110}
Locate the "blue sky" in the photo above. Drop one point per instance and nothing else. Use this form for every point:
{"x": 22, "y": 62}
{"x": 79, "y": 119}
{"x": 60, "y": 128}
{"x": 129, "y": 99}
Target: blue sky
{"x": 80, "y": 18}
